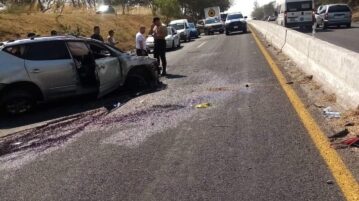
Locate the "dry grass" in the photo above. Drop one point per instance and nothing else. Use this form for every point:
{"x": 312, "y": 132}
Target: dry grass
{"x": 125, "y": 26}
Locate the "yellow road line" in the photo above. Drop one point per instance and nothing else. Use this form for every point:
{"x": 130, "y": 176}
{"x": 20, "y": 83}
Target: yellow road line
{"x": 344, "y": 178}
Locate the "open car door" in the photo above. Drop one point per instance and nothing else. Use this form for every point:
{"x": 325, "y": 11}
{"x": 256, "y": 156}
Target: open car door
{"x": 108, "y": 68}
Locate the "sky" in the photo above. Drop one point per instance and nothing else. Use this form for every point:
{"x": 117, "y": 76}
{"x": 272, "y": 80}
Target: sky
{"x": 246, "y": 6}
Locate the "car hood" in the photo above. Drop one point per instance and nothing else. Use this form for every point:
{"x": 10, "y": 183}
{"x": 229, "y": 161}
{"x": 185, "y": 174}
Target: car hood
{"x": 234, "y": 20}
{"x": 214, "y": 24}
{"x": 131, "y": 59}
{"x": 180, "y": 31}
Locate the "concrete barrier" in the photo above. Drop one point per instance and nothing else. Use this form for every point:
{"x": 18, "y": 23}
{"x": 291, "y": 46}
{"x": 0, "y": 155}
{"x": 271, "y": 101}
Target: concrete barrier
{"x": 336, "y": 68}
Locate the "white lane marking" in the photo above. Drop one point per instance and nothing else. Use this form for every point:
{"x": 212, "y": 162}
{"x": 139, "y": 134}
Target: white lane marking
{"x": 202, "y": 44}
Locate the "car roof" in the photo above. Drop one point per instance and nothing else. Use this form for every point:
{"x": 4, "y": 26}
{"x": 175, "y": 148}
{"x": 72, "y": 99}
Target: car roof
{"x": 338, "y": 4}
{"x": 43, "y": 39}
{"x": 178, "y": 21}
{"x": 235, "y": 13}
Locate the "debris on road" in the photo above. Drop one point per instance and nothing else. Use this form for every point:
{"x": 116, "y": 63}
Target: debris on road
{"x": 330, "y": 182}
{"x": 290, "y": 82}
{"x": 203, "y": 105}
{"x": 349, "y": 124}
{"x": 306, "y": 79}
{"x": 340, "y": 134}
{"x": 329, "y": 113}
{"x": 318, "y": 105}
{"x": 247, "y": 85}
{"x": 354, "y": 141}
{"x": 350, "y": 142}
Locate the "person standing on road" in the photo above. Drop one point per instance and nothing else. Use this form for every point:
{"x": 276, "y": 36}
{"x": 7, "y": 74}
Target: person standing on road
{"x": 159, "y": 33}
{"x": 141, "y": 42}
{"x": 96, "y": 35}
{"x": 111, "y": 38}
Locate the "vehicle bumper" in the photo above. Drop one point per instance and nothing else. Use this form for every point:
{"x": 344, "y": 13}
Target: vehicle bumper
{"x": 341, "y": 22}
{"x": 183, "y": 36}
{"x": 212, "y": 30}
{"x": 299, "y": 24}
{"x": 194, "y": 34}
{"x": 236, "y": 27}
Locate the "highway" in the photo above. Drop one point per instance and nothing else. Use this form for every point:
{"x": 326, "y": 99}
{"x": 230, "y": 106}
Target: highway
{"x": 343, "y": 37}
{"x": 249, "y": 144}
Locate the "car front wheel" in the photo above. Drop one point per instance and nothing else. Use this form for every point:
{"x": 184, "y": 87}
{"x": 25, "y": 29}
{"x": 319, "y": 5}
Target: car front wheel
{"x": 17, "y": 102}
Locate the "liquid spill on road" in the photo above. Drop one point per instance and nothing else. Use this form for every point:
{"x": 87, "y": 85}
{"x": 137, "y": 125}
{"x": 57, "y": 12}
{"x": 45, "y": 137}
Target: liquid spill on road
{"x": 49, "y": 135}
{"x": 57, "y": 133}
{"x": 137, "y": 116}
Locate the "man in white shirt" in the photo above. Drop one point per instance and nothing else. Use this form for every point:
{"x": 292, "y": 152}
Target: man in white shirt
{"x": 141, "y": 42}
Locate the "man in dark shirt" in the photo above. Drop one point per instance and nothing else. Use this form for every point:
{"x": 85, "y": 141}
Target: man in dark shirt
{"x": 96, "y": 34}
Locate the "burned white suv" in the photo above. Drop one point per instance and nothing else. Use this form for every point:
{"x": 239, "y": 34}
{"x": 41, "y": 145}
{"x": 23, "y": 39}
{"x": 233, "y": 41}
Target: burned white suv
{"x": 46, "y": 68}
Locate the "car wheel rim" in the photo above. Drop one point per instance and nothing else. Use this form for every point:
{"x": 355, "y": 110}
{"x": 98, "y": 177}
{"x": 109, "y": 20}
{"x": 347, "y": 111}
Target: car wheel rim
{"x": 18, "y": 106}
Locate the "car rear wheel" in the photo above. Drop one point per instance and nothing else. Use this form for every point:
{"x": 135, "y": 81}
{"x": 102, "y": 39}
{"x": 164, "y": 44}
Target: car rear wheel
{"x": 18, "y": 101}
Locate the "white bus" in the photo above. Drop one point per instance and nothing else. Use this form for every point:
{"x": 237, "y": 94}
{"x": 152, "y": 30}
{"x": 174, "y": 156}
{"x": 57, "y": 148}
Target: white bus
{"x": 295, "y": 13}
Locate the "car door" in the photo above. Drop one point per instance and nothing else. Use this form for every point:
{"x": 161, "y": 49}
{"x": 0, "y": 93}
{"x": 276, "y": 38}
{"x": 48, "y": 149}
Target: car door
{"x": 108, "y": 68}
{"x": 50, "y": 66}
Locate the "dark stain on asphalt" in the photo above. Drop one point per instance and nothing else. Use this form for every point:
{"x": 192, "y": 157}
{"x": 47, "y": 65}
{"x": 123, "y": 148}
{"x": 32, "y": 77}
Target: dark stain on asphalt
{"x": 58, "y": 132}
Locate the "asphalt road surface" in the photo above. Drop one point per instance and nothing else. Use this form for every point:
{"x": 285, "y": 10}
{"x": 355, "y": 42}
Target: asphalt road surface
{"x": 343, "y": 37}
{"x": 248, "y": 145}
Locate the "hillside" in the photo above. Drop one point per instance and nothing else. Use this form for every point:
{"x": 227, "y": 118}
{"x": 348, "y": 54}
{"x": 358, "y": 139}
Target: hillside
{"x": 125, "y": 26}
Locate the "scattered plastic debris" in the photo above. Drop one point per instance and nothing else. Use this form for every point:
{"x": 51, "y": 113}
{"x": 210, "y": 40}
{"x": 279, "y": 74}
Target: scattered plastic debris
{"x": 318, "y": 105}
{"x": 340, "y": 134}
{"x": 349, "y": 124}
{"x": 354, "y": 141}
{"x": 329, "y": 113}
{"x": 203, "y": 105}
{"x": 116, "y": 105}
{"x": 290, "y": 82}
{"x": 350, "y": 142}
{"x": 330, "y": 182}
{"x": 16, "y": 143}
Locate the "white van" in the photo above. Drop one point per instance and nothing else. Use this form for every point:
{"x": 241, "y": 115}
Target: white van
{"x": 182, "y": 28}
{"x": 295, "y": 13}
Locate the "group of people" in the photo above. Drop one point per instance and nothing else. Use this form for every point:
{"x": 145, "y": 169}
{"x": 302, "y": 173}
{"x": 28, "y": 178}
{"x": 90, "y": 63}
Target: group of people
{"x": 158, "y": 31}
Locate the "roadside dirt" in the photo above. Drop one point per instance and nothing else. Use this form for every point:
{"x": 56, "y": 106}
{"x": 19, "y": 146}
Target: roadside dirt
{"x": 76, "y": 22}
{"x": 339, "y": 130}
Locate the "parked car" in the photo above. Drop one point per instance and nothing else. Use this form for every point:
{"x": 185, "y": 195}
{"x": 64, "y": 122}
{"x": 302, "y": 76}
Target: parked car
{"x": 182, "y": 28}
{"x": 271, "y": 18}
{"x": 334, "y": 15}
{"x": 193, "y": 31}
{"x": 213, "y": 25}
{"x": 235, "y": 22}
{"x": 105, "y": 9}
{"x": 172, "y": 40}
{"x": 2, "y": 7}
{"x": 47, "y": 68}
